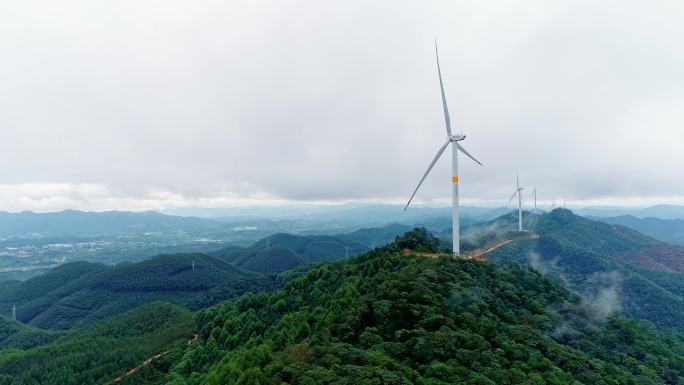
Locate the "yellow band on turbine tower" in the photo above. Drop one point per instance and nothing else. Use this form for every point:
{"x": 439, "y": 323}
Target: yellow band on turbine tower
{"x": 454, "y": 179}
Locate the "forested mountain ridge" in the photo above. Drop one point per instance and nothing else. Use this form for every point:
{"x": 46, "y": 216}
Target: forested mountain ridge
{"x": 282, "y": 251}
{"x": 100, "y": 353}
{"x": 81, "y": 293}
{"x": 609, "y": 264}
{"x": 16, "y": 335}
{"x": 387, "y": 318}
{"x": 623, "y": 243}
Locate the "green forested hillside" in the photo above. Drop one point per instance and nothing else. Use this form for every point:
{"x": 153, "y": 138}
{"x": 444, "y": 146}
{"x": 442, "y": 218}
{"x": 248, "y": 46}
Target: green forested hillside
{"x": 282, "y": 251}
{"x": 15, "y": 335}
{"x": 271, "y": 260}
{"x": 103, "y": 352}
{"x": 387, "y": 318}
{"x": 612, "y": 265}
{"x": 78, "y": 294}
{"x": 376, "y": 236}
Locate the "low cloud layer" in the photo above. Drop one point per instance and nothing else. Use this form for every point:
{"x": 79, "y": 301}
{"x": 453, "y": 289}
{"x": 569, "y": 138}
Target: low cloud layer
{"x": 167, "y": 103}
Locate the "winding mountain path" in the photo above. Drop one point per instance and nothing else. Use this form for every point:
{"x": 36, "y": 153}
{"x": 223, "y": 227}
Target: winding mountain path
{"x": 478, "y": 254}
{"x": 148, "y": 361}
{"x": 481, "y": 252}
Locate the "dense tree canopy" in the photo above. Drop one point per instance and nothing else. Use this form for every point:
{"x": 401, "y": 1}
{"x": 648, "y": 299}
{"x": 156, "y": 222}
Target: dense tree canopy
{"x": 385, "y": 318}
{"x": 102, "y": 352}
{"x": 78, "y": 294}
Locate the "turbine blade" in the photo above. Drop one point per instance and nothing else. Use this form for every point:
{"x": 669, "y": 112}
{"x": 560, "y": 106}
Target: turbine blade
{"x": 463, "y": 150}
{"x": 510, "y": 200}
{"x": 447, "y": 118}
{"x": 436, "y": 158}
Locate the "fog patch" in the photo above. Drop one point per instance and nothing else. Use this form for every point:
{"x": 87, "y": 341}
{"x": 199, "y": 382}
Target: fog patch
{"x": 549, "y": 268}
{"x": 480, "y": 234}
{"x": 604, "y": 299}
{"x": 536, "y": 263}
{"x": 599, "y": 298}
{"x": 563, "y": 331}
{"x": 473, "y": 235}
{"x": 598, "y": 302}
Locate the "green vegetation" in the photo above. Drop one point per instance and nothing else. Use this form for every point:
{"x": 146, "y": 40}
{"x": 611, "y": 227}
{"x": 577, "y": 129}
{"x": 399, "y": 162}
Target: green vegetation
{"x": 271, "y": 260}
{"x": 103, "y": 352}
{"x": 14, "y": 334}
{"x": 282, "y": 251}
{"x": 384, "y": 318}
{"x": 378, "y": 318}
{"x": 80, "y": 293}
{"x": 645, "y": 274}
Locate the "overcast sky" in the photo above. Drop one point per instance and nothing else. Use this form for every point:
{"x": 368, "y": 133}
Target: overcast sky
{"x": 150, "y": 104}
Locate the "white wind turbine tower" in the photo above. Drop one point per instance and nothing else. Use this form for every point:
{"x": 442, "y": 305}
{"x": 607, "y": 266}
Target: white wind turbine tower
{"x": 451, "y": 139}
{"x": 518, "y": 191}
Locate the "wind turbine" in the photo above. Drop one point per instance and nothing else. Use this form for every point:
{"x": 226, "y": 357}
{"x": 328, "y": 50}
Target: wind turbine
{"x": 518, "y": 191}
{"x": 451, "y": 139}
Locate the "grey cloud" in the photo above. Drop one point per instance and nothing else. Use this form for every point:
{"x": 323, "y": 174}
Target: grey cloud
{"x": 312, "y": 100}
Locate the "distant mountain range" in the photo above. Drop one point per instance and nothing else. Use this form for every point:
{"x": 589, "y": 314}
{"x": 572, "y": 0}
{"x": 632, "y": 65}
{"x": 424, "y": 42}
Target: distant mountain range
{"x": 87, "y": 223}
{"x": 657, "y": 211}
{"x": 666, "y": 230}
{"x": 232, "y": 221}
{"x": 376, "y": 214}
{"x": 265, "y": 220}
{"x": 343, "y": 216}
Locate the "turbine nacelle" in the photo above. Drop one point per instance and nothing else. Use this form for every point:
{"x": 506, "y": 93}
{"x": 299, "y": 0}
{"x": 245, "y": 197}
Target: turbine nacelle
{"x": 455, "y": 138}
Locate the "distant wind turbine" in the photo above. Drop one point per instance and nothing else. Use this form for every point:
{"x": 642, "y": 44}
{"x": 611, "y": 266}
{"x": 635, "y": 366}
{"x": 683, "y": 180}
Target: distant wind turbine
{"x": 518, "y": 191}
{"x": 451, "y": 139}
